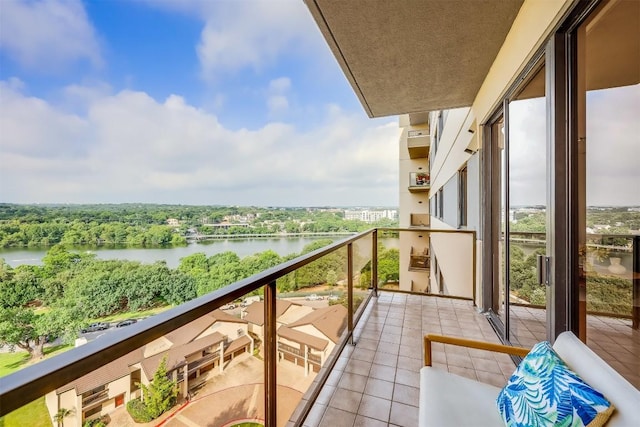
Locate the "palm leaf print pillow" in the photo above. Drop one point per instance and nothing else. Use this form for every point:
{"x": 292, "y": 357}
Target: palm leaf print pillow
{"x": 543, "y": 391}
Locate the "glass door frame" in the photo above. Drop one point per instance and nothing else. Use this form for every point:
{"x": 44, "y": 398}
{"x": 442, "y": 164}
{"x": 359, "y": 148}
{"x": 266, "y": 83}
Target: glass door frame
{"x": 564, "y": 198}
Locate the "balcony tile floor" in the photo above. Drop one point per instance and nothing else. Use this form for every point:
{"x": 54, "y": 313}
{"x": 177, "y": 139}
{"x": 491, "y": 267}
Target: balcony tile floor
{"x": 376, "y": 381}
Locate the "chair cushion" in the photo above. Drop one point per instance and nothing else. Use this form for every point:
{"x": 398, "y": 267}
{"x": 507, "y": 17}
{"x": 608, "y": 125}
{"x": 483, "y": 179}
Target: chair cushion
{"x": 451, "y": 400}
{"x": 544, "y": 391}
{"x": 595, "y": 371}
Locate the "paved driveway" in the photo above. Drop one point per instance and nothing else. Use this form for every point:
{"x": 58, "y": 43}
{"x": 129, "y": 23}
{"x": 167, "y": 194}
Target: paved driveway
{"x": 238, "y": 394}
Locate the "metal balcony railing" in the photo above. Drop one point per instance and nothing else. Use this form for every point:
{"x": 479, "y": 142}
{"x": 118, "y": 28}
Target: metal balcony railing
{"x": 35, "y": 381}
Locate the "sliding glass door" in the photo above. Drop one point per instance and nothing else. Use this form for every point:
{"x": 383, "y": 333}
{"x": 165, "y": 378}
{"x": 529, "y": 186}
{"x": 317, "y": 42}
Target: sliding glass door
{"x": 520, "y": 163}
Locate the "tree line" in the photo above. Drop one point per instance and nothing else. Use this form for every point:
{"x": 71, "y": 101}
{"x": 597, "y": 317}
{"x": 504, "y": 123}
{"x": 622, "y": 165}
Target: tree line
{"x": 147, "y": 225}
{"x": 71, "y": 289}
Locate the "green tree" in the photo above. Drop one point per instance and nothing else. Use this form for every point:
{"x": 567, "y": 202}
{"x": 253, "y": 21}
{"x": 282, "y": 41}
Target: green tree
{"x": 389, "y": 265}
{"x": 332, "y": 277}
{"x": 24, "y": 328}
{"x": 161, "y": 393}
{"x": 59, "y": 417}
{"x": 57, "y": 259}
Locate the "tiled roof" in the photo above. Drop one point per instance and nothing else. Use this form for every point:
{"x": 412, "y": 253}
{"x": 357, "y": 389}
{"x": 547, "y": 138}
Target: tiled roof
{"x": 237, "y": 344}
{"x": 182, "y": 344}
{"x": 302, "y": 337}
{"x": 104, "y": 374}
{"x": 176, "y": 355}
{"x": 331, "y": 321}
{"x": 255, "y": 312}
{"x": 190, "y": 331}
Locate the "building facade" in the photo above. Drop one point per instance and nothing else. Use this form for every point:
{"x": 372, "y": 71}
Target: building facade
{"x": 517, "y": 99}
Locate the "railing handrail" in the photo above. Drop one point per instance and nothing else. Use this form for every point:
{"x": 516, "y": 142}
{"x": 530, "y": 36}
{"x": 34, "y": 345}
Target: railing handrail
{"x": 32, "y": 382}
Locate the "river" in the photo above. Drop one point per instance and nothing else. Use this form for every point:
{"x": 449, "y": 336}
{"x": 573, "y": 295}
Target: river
{"x": 172, "y": 255}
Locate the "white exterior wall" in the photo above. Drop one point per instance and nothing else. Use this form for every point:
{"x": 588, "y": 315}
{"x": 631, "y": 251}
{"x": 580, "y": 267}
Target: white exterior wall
{"x": 312, "y": 330}
{"x": 530, "y": 30}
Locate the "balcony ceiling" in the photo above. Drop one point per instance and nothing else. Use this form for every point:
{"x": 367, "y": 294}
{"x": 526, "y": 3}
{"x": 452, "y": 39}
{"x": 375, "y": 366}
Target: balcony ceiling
{"x": 406, "y": 56}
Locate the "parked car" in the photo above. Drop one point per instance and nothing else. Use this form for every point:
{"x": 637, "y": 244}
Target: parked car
{"x": 314, "y": 297}
{"x": 94, "y": 327}
{"x": 333, "y": 298}
{"x": 126, "y": 322}
{"x": 228, "y": 307}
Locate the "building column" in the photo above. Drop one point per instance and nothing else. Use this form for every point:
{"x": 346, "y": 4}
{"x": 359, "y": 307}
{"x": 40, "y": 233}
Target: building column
{"x": 221, "y": 364}
{"x": 185, "y": 381}
{"x": 306, "y": 360}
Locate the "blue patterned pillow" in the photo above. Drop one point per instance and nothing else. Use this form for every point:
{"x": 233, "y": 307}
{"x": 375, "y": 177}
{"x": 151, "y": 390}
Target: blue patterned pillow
{"x": 543, "y": 391}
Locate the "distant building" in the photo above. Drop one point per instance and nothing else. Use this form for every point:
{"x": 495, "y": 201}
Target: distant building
{"x": 173, "y": 222}
{"x": 370, "y": 216}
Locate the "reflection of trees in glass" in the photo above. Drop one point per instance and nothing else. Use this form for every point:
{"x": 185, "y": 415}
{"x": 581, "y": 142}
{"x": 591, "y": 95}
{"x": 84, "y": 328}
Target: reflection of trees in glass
{"x": 608, "y": 294}
{"x": 522, "y": 276}
{"x": 605, "y": 294}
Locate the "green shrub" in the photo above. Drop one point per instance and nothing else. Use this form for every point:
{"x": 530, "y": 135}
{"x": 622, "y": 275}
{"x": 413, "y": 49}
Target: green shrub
{"x": 98, "y": 422}
{"x": 138, "y": 411}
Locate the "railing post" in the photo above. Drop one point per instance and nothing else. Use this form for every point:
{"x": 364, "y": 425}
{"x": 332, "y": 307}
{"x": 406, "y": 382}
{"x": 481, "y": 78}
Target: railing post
{"x": 635, "y": 310}
{"x": 350, "y": 291}
{"x": 270, "y": 355}
{"x": 374, "y": 262}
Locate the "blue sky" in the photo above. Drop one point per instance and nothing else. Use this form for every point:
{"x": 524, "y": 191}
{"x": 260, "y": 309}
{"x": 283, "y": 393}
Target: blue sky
{"x": 193, "y": 102}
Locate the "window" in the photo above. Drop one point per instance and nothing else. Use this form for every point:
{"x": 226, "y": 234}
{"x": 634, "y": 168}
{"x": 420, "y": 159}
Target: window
{"x": 240, "y": 332}
{"x": 93, "y": 411}
{"x": 462, "y": 197}
{"x": 134, "y": 381}
{"x": 439, "y": 202}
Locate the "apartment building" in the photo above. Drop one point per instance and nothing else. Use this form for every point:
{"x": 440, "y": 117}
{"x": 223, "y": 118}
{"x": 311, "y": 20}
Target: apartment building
{"x": 516, "y": 101}
{"x": 369, "y": 215}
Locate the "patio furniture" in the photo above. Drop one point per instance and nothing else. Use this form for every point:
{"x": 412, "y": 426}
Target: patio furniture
{"x": 448, "y": 399}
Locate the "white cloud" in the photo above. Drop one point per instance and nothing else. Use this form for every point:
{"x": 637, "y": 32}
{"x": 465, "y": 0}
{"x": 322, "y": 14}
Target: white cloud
{"x": 129, "y": 147}
{"x": 47, "y": 34}
{"x": 277, "y": 103}
{"x": 252, "y": 36}
{"x": 280, "y": 85}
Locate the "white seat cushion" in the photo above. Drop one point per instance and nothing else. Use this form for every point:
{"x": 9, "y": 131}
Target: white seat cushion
{"x": 451, "y": 400}
{"x": 599, "y": 375}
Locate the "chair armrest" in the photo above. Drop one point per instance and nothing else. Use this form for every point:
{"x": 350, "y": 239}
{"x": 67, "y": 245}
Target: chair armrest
{"x": 463, "y": 342}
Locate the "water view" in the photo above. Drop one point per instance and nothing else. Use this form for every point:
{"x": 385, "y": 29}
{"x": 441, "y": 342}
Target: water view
{"x": 171, "y": 255}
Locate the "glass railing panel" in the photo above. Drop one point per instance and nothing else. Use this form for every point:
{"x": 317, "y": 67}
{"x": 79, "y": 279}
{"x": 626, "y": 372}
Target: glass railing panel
{"x": 312, "y": 329}
{"x": 362, "y": 280}
{"x": 213, "y": 349}
{"x": 389, "y": 258}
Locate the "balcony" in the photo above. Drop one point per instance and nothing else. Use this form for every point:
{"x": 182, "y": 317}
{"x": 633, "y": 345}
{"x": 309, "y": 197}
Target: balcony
{"x": 420, "y": 220}
{"x": 419, "y": 182}
{"x": 419, "y": 260}
{"x": 96, "y": 397}
{"x": 373, "y": 342}
{"x": 418, "y": 142}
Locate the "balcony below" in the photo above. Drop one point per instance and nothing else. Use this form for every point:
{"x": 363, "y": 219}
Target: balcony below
{"x": 420, "y": 220}
{"x": 376, "y": 382}
{"x": 419, "y": 182}
{"x": 418, "y": 142}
